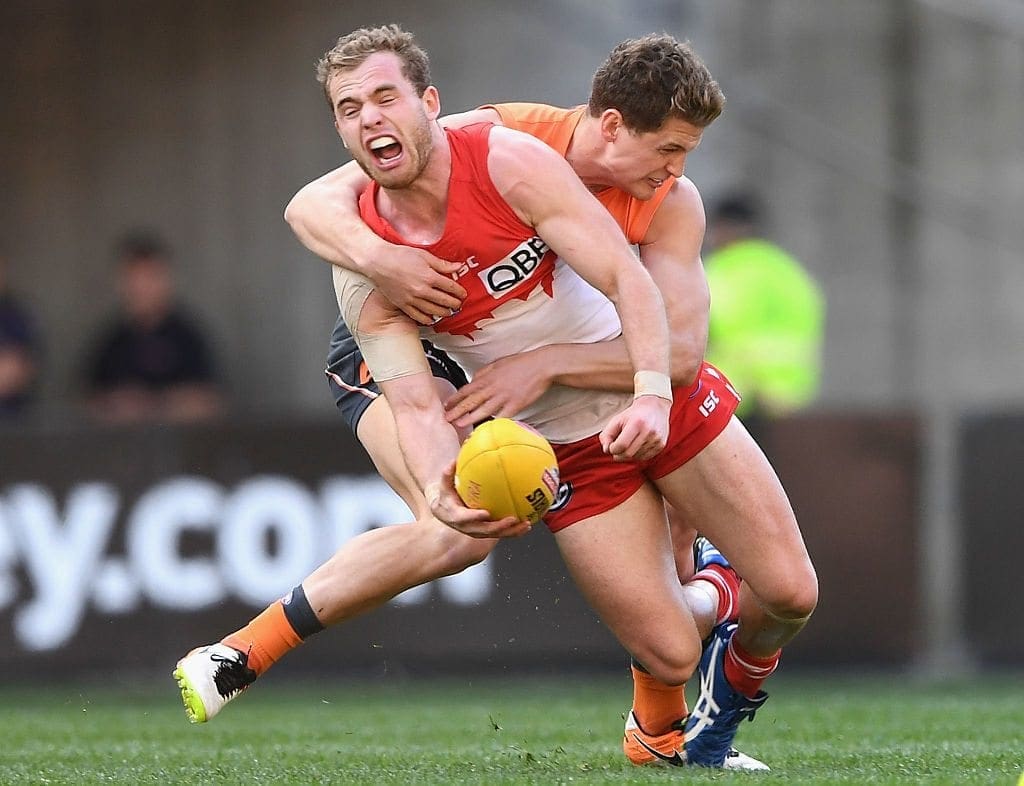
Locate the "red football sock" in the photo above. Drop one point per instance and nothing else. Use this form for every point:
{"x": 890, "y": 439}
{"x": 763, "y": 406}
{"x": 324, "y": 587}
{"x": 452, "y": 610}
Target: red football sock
{"x": 656, "y": 705}
{"x": 746, "y": 672}
{"x": 727, "y": 582}
{"x": 266, "y": 638}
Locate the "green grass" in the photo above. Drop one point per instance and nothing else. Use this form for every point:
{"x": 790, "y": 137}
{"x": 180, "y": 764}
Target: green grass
{"x": 850, "y": 731}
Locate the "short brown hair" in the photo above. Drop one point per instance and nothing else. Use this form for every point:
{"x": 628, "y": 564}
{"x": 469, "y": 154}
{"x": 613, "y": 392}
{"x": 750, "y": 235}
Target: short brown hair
{"x": 653, "y": 78}
{"x": 351, "y": 50}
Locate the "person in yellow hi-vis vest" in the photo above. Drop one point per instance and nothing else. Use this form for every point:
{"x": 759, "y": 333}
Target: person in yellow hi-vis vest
{"x": 767, "y": 322}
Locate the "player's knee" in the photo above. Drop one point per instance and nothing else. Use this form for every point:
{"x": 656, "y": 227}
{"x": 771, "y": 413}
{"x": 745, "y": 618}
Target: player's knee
{"x": 671, "y": 666}
{"x": 797, "y": 598}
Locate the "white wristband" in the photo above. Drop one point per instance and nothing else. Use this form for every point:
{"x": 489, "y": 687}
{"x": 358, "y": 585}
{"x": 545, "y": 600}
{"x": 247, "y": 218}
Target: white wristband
{"x": 652, "y": 383}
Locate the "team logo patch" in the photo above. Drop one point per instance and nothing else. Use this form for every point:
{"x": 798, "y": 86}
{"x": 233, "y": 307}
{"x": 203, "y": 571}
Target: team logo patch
{"x": 562, "y": 497}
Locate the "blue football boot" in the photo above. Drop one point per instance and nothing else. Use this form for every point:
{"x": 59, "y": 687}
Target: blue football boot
{"x": 715, "y": 718}
{"x": 705, "y": 553}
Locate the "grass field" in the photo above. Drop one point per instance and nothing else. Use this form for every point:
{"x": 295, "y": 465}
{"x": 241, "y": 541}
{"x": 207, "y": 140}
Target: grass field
{"x": 501, "y": 732}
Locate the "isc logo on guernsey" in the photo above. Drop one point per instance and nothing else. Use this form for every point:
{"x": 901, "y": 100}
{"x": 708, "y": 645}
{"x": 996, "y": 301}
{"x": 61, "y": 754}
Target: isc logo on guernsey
{"x": 518, "y": 266}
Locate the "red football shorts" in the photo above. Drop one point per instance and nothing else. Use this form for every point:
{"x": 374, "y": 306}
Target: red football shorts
{"x": 593, "y": 482}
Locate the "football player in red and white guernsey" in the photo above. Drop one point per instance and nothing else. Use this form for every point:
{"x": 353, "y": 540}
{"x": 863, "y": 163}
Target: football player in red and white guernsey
{"x": 624, "y": 163}
{"x": 483, "y": 195}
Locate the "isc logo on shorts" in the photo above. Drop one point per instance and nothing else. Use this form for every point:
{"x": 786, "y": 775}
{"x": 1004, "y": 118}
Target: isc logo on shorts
{"x": 514, "y": 269}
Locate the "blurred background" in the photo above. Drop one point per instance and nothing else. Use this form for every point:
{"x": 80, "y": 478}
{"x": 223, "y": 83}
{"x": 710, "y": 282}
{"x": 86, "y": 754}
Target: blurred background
{"x": 148, "y": 151}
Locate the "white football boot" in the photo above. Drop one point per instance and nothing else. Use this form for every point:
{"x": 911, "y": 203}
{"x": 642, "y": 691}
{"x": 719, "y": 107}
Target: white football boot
{"x": 210, "y": 677}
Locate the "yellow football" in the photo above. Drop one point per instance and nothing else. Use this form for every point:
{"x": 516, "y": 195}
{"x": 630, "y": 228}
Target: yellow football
{"x": 507, "y": 469}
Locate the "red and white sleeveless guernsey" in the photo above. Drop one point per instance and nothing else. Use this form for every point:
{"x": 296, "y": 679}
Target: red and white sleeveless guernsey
{"x": 520, "y": 294}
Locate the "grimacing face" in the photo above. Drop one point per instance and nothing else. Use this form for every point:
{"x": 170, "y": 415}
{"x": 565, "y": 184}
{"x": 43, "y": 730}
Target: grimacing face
{"x": 640, "y": 162}
{"x": 381, "y": 120}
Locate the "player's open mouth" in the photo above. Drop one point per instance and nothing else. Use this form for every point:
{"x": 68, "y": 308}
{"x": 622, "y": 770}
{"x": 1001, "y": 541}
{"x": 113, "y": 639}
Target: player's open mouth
{"x": 386, "y": 149}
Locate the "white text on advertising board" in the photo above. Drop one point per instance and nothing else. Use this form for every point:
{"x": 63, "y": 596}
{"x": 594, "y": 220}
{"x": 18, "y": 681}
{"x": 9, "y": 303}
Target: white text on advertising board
{"x": 56, "y": 560}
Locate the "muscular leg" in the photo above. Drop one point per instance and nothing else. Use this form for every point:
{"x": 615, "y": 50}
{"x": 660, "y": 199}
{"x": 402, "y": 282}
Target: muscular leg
{"x": 734, "y": 494}
{"x": 364, "y": 573}
{"x": 371, "y": 568}
{"x": 622, "y": 563}
{"x": 730, "y": 490}
{"x": 375, "y": 566}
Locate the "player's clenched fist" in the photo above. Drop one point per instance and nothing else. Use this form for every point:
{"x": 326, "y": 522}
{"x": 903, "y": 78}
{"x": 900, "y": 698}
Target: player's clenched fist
{"x": 639, "y": 432}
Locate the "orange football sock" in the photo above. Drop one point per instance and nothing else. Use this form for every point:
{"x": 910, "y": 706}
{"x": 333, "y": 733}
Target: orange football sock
{"x": 656, "y": 705}
{"x": 266, "y": 638}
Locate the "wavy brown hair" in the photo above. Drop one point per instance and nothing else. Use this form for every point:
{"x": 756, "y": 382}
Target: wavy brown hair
{"x": 653, "y": 78}
{"x": 351, "y": 50}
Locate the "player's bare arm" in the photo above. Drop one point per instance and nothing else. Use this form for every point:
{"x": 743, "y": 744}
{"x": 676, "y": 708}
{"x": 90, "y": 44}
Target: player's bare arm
{"x": 544, "y": 191}
{"x": 391, "y": 347}
{"x": 428, "y": 442}
{"x": 324, "y": 215}
{"x": 670, "y": 251}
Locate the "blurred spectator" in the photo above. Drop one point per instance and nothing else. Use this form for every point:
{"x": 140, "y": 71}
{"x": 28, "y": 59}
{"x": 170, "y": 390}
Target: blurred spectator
{"x": 153, "y": 362}
{"x": 18, "y": 352}
{"x": 767, "y": 320}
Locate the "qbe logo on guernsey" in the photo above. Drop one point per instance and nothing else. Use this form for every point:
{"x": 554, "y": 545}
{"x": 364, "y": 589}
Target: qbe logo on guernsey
{"x": 514, "y": 269}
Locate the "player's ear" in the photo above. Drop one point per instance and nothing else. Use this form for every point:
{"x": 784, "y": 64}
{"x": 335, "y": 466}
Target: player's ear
{"x": 611, "y": 124}
{"x": 337, "y": 128}
{"x": 432, "y": 102}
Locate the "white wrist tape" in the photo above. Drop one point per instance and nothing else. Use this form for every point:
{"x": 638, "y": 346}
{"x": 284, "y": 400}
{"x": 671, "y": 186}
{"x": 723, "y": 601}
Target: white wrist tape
{"x": 652, "y": 383}
{"x": 387, "y": 355}
{"x": 432, "y": 491}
